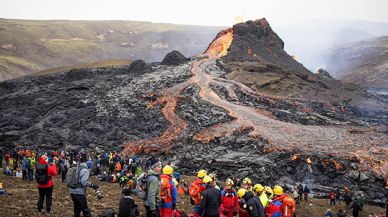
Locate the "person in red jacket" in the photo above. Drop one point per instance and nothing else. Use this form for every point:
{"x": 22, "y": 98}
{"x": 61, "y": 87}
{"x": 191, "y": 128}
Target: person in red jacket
{"x": 229, "y": 205}
{"x": 7, "y": 158}
{"x": 168, "y": 198}
{"x": 46, "y": 189}
{"x": 275, "y": 208}
{"x": 332, "y": 198}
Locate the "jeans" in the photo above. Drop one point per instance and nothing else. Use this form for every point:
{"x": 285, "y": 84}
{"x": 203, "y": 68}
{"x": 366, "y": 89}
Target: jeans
{"x": 31, "y": 174}
{"x": 337, "y": 199}
{"x": 48, "y": 193}
{"x": 64, "y": 172}
{"x": 332, "y": 202}
{"x": 7, "y": 163}
{"x": 148, "y": 211}
{"x": 80, "y": 204}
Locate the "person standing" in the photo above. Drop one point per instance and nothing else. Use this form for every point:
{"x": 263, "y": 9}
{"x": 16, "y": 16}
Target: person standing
{"x": 253, "y": 203}
{"x": 337, "y": 197}
{"x": 24, "y": 168}
{"x": 275, "y": 208}
{"x": 1, "y": 158}
{"x": 229, "y": 198}
{"x": 306, "y": 190}
{"x": 332, "y": 198}
{"x": 356, "y": 207}
{"x": 153, "y": 187}
{"x": 168, "y": 198}
{"x": 7, "y": 159}
{"x": 210, "y": 199}
{"x": 64, "y": 168}
{"x": 30, "y": 167}
{"x": 78, "y": 194}
{"x": 44, "y": 180}
{"x": 361, "y": 200}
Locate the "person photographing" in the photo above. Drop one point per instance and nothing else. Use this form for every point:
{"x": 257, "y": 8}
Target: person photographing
{"x": 77, "y": 179}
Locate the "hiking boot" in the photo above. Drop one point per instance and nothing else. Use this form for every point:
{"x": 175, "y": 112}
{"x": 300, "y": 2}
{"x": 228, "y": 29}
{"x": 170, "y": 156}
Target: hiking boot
{"x": 40, "y": 211}
{"x": 49, "y": 212}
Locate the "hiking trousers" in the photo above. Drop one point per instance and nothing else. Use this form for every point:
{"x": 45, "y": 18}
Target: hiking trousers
{"x": 80, "y": 204}
{"x": 31, "y": 174}
{"x": 24, "y": 174}
{"x": 48, "y": 193}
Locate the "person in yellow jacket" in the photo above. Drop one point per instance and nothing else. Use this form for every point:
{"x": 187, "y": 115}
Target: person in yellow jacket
{"x": 258, "y": 189}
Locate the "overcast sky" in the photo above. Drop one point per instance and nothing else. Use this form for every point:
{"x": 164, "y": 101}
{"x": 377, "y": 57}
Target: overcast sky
{"x": 195, "y": 12}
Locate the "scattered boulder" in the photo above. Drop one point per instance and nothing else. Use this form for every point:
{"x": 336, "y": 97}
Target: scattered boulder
{"x": 174, "y": 58}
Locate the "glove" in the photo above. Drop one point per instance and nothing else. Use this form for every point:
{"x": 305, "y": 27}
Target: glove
{"x": 95, "y": 186}
{"x": 225, "y": 212}
{"x": 154, "y": 213}
{"x": 173, "y": 206}
{"x": 234, "y": 213}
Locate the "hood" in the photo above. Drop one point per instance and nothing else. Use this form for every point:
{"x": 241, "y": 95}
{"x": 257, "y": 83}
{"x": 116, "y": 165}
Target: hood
{"x": 42, "y": 161}
{"x": 249, "y": 195}
{"x": 166, "y": 176}
{"x": 198, "y": 181}
{"x": 83, "y": 166}
{"x": 153, "y": 172}
{"x": 279, "y": 198}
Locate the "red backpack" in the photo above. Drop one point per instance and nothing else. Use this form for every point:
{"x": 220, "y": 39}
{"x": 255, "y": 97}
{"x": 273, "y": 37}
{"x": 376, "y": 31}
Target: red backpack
{"x": 165, "y": 192}
{"x": 195, "y": 193}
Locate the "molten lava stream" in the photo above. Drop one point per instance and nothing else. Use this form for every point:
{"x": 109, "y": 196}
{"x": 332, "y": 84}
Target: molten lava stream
{"x": 281, "y": 135}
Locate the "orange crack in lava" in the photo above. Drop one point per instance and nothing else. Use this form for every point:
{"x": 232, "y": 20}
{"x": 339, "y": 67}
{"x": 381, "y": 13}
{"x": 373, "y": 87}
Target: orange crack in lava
{"x": 368, "y": 146}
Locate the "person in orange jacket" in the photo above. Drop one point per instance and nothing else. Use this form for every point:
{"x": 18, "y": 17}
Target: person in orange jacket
{"x": 118, "y": 167}
{"x": 45, "y": 187}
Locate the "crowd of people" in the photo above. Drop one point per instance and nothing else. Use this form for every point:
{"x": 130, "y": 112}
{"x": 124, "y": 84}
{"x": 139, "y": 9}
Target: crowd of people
{"x": 157, "y": 185}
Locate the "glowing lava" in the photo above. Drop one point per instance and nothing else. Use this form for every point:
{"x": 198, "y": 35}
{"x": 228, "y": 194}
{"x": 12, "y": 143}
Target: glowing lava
{"x": 369, "y": 147}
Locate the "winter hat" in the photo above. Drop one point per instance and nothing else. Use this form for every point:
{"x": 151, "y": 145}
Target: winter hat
{"x": 127, "y": 192}
{"x": 155, "y": 163}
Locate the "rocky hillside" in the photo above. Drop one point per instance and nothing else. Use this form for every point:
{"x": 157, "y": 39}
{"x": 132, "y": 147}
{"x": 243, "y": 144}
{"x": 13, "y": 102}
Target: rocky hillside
{"x": 29, "y": 46}
{"x": 363, "y": 62}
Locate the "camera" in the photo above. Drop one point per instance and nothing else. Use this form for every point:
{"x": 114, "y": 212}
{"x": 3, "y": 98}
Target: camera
{"x": 99, "y": 195}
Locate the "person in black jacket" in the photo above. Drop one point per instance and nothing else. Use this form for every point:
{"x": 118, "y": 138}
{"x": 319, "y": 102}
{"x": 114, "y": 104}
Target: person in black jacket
{"x": 210, "y": 199}
{"x": 253, "y": 203}
{"x": 356, "y": 207}
{"x": 127, "y": 207}
{"x": 341, "y": 213}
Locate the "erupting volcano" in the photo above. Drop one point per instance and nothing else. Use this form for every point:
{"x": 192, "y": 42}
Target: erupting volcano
{"x": 369, "y": 147}
{"x": 194, "y": 116}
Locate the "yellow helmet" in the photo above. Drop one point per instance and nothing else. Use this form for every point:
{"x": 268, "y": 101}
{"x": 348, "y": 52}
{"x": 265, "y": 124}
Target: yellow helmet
{"x": 229, "y": 182}
{"x": 241, "y": 193}
{"x": 207, "y": 179}
{"x": 278, "y": 190}
{"x": 268, "y": 189}
{"x": 258, "y": 188}
{"x": 246, "y": 181}
{"x": 202, "y": 173}
{"x": 213, "y": 176}
{"x": 168, "y": 170}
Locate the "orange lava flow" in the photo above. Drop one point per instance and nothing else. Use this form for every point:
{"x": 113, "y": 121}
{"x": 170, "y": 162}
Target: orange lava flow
{"x": 368, "y": 146}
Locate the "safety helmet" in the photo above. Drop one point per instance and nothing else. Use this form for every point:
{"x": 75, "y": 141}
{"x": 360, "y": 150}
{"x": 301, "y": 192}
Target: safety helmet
{"x": 213, "y": 176}
{"x": 118, "y": 174}
{"x": 241, "y": 193}
{"x": 278, "y": 190}
{"x": 207, "y": 179}
{"x": 229, "y": 182}
{"x": 258, "y": 188}
{"x": 268, "y": 189}
{"x": 202, "y": 173}
{"x": 246, "y": 181}
{"x": 168, "y": 170}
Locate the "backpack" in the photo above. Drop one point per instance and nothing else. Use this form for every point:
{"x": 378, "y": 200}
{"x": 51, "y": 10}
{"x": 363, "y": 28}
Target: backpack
{"x": 165, "y": 192}
{"x": 288, "y": 206}
{"x": 141, "y": 187}
{"x": 41, "y": 175}
{"x": 72, "y": 177}
{"x": 28, "y": 163}
{"x": 195, "y": 193}
{"x": 107, "y": 213}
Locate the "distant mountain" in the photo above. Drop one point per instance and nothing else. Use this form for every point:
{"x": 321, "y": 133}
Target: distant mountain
{"x": 30, "y": 46}
{"x": 364, "y": 62}
{"x": 307, "y": 40}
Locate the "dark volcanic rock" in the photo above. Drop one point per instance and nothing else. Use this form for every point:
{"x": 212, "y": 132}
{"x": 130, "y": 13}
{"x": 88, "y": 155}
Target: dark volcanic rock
{"x": 255, "y": 41}
{"x": 174, "y": 58}
{"x": 137, "y": 66}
